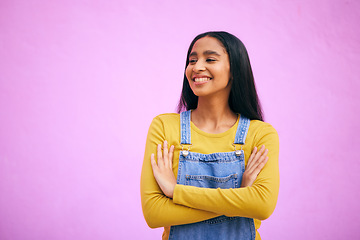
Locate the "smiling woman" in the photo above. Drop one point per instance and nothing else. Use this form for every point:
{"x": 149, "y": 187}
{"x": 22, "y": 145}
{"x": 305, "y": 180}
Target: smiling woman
{"x": 206, "y": 65}
{"x": 215, "y": 174}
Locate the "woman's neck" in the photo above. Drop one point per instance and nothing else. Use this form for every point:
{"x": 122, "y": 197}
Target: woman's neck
{"x": 213, "y": 115}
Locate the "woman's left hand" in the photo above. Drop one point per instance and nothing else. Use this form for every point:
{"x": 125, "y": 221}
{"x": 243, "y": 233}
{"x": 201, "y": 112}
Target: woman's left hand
{"x": 255, "y": 164}
{"x": 162, "y": 169}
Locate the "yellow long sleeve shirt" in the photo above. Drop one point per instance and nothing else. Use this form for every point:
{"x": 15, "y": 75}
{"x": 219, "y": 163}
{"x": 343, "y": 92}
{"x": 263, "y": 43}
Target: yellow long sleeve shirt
{"x": 193, "y": 204}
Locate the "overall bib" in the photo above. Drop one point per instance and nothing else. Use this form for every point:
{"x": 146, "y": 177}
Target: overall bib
{"x": 215, "y": 170}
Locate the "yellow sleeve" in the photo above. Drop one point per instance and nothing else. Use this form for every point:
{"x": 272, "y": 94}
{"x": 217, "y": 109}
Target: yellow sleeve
{"x": 158, "y": 209}
{"x": 257, "y": 201}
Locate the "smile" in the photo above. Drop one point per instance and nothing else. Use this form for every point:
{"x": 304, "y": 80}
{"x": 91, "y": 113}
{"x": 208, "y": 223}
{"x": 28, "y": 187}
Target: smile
{"x": 201, "y": 80}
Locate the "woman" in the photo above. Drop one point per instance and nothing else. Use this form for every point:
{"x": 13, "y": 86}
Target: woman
{"x": 199, "y": 188}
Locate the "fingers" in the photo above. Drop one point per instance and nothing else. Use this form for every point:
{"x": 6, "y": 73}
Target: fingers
{"x": 159, "y": 156}
{"x": 260, "y": 166}
{"x": 250, "y": 162}
{"x": 166, "y": 154}
{"x": 153, "y": 162}
{"x": 164, "y": 157}
{"x": 257, "y": 161}
{"x": 255, "y": 156}
{"x": 171, "y": 154}
{"x": 261, "y": 151}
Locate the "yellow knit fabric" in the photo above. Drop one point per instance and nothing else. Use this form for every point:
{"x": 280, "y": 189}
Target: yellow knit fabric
{"x": 192, "y": 204}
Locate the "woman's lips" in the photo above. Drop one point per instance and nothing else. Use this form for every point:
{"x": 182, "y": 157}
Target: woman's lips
{"x": 201, "y": 80}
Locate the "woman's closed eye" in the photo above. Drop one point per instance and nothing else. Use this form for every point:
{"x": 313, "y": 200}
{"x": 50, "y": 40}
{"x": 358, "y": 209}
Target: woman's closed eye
{"x": 192, "y": 61}
{"x": 210, "y": 60}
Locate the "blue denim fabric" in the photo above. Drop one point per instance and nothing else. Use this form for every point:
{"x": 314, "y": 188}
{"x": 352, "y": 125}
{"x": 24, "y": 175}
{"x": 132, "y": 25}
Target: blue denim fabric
{"x": 215, "y": 170}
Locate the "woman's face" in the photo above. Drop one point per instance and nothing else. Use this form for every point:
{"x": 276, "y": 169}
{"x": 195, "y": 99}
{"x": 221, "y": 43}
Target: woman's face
{"x": 208, "y": 71}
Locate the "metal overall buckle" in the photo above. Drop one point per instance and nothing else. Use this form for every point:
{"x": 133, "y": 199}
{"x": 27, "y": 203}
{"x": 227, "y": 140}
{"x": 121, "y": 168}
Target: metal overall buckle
{"x": 237, "y": 151}
{"x": 185, "y": 152}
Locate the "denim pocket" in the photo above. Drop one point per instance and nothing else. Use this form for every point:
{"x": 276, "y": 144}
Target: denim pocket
{"x": 206, "y": 181}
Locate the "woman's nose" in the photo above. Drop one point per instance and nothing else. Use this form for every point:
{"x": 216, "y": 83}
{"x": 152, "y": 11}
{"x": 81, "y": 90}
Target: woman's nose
{"x": 199, "y": 66}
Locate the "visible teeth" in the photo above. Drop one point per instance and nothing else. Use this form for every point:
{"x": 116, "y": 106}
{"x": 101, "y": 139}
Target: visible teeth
{"x": 201, "y": 79}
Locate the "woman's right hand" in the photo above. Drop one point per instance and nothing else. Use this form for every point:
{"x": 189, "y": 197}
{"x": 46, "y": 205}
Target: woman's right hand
{"x": 256, "y": 162}
{"x": 162, "y": 169}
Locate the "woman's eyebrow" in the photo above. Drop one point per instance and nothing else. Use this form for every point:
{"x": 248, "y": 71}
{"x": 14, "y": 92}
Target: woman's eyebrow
{"x": 211, "y": 52}
{"x": 193, "y": 54}
{"x": 207, "y": 52}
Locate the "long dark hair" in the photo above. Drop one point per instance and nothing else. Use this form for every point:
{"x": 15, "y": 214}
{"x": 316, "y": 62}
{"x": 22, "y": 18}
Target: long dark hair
{"x": 243, "y": 97}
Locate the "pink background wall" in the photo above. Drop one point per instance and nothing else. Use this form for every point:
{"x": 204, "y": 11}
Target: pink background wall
{"x": 80, "y": 82}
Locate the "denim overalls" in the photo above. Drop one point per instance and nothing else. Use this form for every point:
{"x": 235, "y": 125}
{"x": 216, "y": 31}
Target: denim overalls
{"x": 215, "y": 170}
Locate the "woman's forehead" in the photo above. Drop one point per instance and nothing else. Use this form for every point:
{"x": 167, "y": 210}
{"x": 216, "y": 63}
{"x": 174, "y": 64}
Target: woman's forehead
{"x": 206, "y": 45}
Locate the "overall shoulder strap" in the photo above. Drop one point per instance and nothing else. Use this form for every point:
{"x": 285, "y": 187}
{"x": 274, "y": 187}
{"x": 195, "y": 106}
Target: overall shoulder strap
{"x": 185, "y": 130}
{"x": 242, "y": 130}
